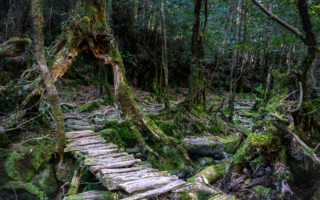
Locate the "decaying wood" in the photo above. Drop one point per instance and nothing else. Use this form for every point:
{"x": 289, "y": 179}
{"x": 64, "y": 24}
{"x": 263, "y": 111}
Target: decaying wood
{"x": 75, "y": 183}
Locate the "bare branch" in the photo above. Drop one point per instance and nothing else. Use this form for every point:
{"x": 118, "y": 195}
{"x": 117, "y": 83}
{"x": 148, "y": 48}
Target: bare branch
{"x": 280, "y": 21}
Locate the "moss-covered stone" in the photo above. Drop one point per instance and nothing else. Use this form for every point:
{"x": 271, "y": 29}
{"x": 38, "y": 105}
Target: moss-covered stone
{"x": 262, "y": 191}
{"x": 89, "y": 106}
{"x": 27, "y": 158}
{"x": 46, "y": 181}
{"x": 211, "y": 173}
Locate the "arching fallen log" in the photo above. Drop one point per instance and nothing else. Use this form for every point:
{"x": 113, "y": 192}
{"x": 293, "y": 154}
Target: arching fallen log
{"x": 14, "y": 47}
{"x": 91, "y": 33}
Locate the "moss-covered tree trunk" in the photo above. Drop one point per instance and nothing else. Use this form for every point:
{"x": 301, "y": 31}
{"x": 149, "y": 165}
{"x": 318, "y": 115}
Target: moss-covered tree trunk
{"x": 46, "y": 76}
{"x": 90, "y": 32}
{"x": 196, "y": 95}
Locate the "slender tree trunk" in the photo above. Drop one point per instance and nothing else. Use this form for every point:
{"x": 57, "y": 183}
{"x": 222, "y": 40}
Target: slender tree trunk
{"x": 196, "y": 95}
{"x": 47, "y": 78}
{"x": 165, "y": 55}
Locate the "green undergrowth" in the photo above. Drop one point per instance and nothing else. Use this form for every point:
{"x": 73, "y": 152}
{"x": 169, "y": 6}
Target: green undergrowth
{"x": 168, "y": 161}
{"x": 119, "y": 133}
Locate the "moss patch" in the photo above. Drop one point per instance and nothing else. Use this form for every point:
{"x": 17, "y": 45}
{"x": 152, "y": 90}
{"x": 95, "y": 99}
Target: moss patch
{"x": 89, "y": 107}
{"x": 261, "y": 190}
{"x": 46, "y": 181}
{"x": 27, "y": 158}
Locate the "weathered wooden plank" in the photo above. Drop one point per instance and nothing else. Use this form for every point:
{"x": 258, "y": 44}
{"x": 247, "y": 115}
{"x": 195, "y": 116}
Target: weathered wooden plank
{"x": 120, "y": 170}
{"x": 99, "y": 148}
{"x": 79, "y": 134}
{"x": 114, "y": 180}
{"x": 85, "y": 142}
{"x": 97, "y": 152}
{"x": 76, "y": 122}
{"x": 115, "y": 165}
{"x": 90, "y": 195}
{"x": 78, "y": 127}
{"x": 156, "y": 192}
{"x": 91, "y": 137}
{"x": 78, "y": 117}
{"x": 84, "y": 148}
{"x": 93, "y": 161}
{"x": 147, "y": 183}
{"x": 111, "y": 155}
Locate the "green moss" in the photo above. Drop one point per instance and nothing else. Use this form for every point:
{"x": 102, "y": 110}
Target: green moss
{"x": 211, "y": 173}
{"x": 28, "y": 157}
{"x": 223, "y": 197}
{"x": 120, "y": 135}
{"x": 245, "y": 153}
{"x": 103, "y": 196}
{"x": 46, "y": 181}
{"x": 29, "y": 187}
{"x": 169, "y": 161}
{"x": 112, "y": 124}
{"x": 261, "y": 140}
{"x": 232, "y": 143}
{"x": 262, "y": 191}
{"x": 167, "y": 127}
{"x": 126, "y": 135}
{"x": 89, "y": 107}
{"x": 267, "y": 140}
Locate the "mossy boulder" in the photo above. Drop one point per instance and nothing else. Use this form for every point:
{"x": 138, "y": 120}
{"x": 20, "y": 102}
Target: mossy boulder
{"x": 28, "y": 157}
{"x": 46, "y": 181}
{"x": 262, "y": 191}
{"x": 212, "y": 146}
{"x": 89, "y": 106}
